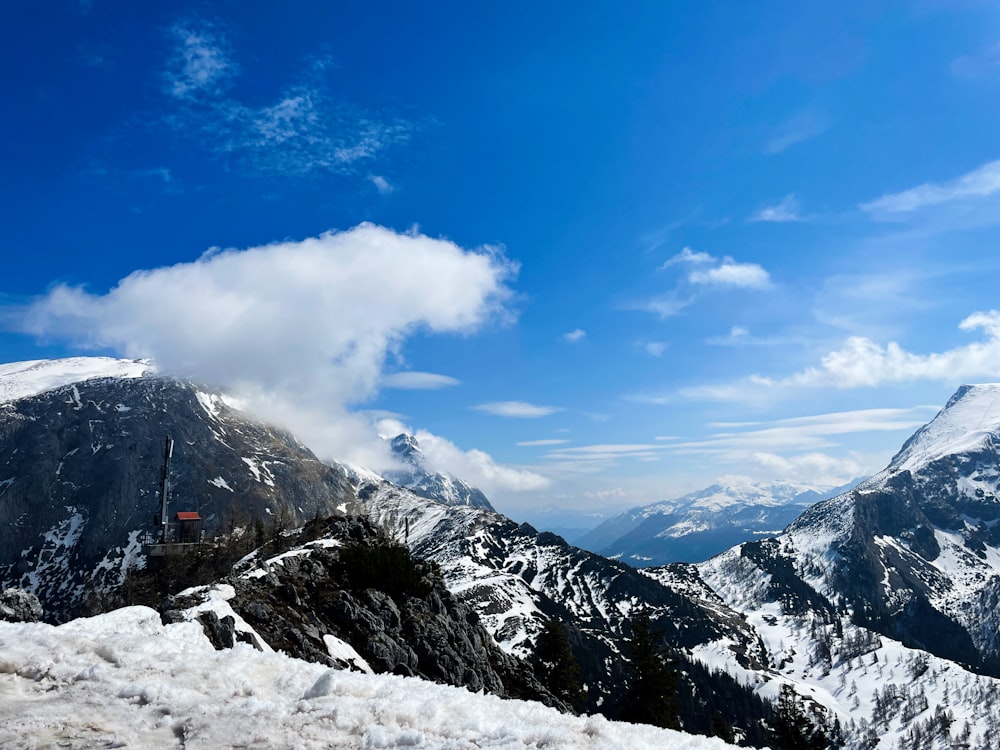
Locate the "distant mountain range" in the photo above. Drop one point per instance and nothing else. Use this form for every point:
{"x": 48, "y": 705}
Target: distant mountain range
{"x": 703, "y": 523}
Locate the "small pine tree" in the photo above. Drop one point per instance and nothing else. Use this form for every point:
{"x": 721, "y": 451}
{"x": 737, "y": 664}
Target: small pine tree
{"x": 556, "y": 667}
{"x": 652, "y": 696}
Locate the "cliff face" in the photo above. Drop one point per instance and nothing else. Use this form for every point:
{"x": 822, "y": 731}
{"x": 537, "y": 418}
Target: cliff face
{"x": 79, "y": 473}
{"x": 354, "y": 598}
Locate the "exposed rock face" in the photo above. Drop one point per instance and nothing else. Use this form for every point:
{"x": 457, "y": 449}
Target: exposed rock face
{"x": 298, "y": 600}
{"x": 18, "y": 605}
{"x": 433, "y": 485}
{"x": 79, "y": 470}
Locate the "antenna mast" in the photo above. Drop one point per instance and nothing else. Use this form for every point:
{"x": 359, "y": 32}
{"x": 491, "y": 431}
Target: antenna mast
{"x": 168, "y": 451}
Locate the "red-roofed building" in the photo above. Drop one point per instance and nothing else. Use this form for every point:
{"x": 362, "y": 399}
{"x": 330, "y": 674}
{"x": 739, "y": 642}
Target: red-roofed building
{"x": 188, "y": 526}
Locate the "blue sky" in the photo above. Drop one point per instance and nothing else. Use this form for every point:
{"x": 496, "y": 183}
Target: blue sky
{"x": 594, "y": 256}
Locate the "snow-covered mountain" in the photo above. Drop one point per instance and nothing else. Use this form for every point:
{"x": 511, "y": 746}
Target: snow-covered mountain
{"x": 81, "y": 448}
{"x": 874, "y": 600}
{"x": 434, "y": 485}
{"x": 913, "y": 552}
{"x": 703, "y": 523}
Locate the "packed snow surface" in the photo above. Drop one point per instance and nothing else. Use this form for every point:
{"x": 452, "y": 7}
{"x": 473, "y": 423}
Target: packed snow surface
{"x": 971, "y": 415}
{"x": 22, "y": 379}
{"x": 125, "y": 680}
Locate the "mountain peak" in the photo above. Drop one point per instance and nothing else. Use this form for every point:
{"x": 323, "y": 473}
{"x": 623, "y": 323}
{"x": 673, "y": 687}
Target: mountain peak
{"x": 433, "y": 485}
{"x": 969, "y": 417}
{"x": 407, "y": 447}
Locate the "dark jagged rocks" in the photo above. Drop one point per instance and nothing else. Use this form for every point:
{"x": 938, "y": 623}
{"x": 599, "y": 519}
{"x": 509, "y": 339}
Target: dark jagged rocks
{"x": 410, "y": 624}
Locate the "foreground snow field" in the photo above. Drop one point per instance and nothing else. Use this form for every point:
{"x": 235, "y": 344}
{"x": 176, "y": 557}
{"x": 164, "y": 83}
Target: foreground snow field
{"x": 125, "y": 680}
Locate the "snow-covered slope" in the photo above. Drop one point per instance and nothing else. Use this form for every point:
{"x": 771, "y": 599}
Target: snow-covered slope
{"x": 22, "y": 379}
{"x": 871, "y": 691}
{"x": 703, "y": 523}
{"x": 969, "y": 421}
{"x": 125, "y": 680}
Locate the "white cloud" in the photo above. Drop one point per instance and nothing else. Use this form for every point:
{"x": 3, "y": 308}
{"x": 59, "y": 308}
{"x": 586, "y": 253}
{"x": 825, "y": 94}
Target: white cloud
{"x": 302, "y": 328}
{"x": 412, "y": 380}
{"x": 549, "y": 441}
{"x": 381, "y": 184}
{"x": 201, "y": 62}
{"x": 800, "y": 128}
{"x": 474, "y": 466}
{"x": 730, "y": 273}
{"x": 861, "y": 362}
{"x": 981, "y": 182}
{"x": 785, "y": 211}
{"x": 704, "y": 271}
{"x": 575, "y": 335}
{"x": 723, "y": 272}
{"x": 655, "y": 348}
{"x": 813, "y": 468}
{"x": 516, "y": 409}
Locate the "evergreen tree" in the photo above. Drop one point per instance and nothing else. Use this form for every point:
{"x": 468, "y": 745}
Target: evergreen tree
{"x": 794, "y": 730}
{"x": 652, "y": 696}
{"x": 720, "y": 728}
{"x": 556, "y": 667}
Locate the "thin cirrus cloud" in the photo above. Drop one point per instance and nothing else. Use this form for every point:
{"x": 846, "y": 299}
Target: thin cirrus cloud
{"x": 301, "y": 330}
{"x": 536, "y": 443}
{"x": 803, "y": 433}
{"x": 201, "y": 60}
{"x": 862, "y": 362}
{"x": 793, "y": 447}
{"x": 983, "y": 64}
{"x": 801, "y": 128}
{"x": 516, "y": 409}
{"x": 787, "y": 210}
{"x": 981, "y": 182}
{"x": 303, "y": 130}
{"x": 413, "y": 380}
